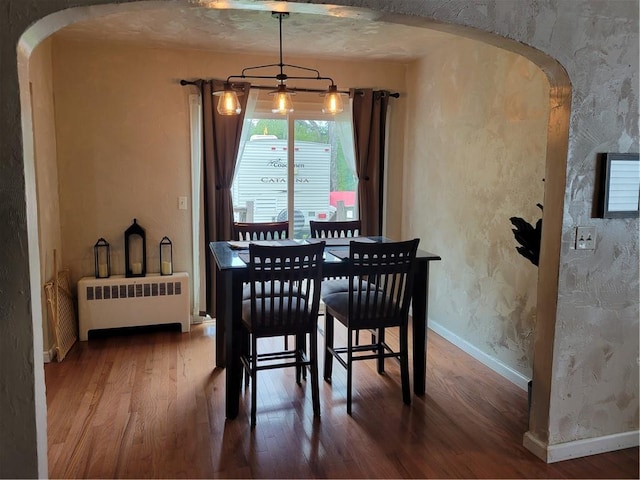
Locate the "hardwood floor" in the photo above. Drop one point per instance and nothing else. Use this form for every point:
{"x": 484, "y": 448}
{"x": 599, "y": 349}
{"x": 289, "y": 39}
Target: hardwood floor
{"x": 150, "y": 404}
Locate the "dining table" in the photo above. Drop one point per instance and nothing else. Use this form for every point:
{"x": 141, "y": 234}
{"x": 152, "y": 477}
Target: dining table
{"x": 232, "y": 272}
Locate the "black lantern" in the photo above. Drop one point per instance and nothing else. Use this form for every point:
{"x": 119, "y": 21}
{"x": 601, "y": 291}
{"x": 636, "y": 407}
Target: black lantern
{"x": 166, "y": 256}
{"x": 102, "y": 259}
{"x": 135, "y": 251}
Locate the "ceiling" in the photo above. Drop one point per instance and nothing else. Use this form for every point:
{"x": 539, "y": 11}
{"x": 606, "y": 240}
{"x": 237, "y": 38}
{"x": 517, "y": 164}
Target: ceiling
{"x": 182, "y": 25}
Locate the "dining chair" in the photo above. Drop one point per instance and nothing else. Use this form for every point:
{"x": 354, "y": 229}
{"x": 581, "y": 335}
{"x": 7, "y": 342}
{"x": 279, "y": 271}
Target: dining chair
{"x": 380, "y": 303}
{"x": 256, "y": 231}
{"x": 287, "y": 311}
{"x": 320, "y": 229}
{"x": 247, "y": 231}
{"x": 346, "y": 229}
{"x": 337, "y": 229}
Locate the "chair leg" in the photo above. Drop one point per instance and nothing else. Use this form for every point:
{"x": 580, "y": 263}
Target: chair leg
{"x": 315, "y": 388}
{"x": 298, "y": 349}
{"x": 254, "y": 379}
{"x": 349, "y": 368}
{"x": 404, "y": 365}
{"x": 303, "y": 348}
{"x": 328, "y": 343}
{"x": 380, "y": 338}
{"x": 248, "y": 354}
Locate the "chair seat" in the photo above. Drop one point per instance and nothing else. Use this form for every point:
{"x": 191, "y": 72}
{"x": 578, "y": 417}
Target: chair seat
{"x": 272, "y": 314}
{"x": 336, "y": 285}
{"x": 338, "y": 305}
{"x": 246, "y": 290}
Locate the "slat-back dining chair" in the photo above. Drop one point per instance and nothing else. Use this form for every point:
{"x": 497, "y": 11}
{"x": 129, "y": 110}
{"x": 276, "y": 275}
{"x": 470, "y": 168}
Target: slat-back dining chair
{"x": 337, "y": 229}
{"x": 288, "y": 311}
{"x": 346, "y": 229}
{"x": 320, "y": 229}
{"x": 380, "y": 303}
{"x": 248, "y": 231}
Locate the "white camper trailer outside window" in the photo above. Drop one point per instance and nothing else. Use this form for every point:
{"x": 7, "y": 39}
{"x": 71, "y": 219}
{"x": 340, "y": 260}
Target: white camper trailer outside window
{"x": 263, "y": 179}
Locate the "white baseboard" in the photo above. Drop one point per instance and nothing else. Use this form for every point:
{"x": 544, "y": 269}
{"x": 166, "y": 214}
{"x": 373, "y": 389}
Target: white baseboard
{"x": 496, "y": 365}
{"x": 49, "y": 355}
{"x": 548, "y": 453}
{"x": 580, "y": 448}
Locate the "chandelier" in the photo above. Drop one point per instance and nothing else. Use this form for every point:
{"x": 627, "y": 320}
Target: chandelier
{"x": 228, "y": 103}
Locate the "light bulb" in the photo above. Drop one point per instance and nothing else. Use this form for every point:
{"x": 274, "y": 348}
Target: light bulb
{"x": 332, "y": 101}
{"x": 282, "y": 102}
{"x": 228, "y": 104}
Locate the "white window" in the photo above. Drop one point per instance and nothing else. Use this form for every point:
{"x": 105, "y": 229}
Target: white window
{"x": 298, "y": 166}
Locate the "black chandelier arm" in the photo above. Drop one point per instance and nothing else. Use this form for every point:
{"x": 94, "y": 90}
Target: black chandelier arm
{"x": 304, "y": 68}
{"x": 196, "y": 83}
{"x": 271, "y": 77}
{"x": 270, "y": 65}
{"x": 243, "y": 74}
{"x": 312, "y": 78}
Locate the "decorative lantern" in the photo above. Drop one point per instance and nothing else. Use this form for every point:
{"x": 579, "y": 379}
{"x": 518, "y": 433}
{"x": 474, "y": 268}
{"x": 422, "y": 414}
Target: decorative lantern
{"x": 166, "y": 256}
{"x": 135, "y": 251}
{"x": 102, "y": 259}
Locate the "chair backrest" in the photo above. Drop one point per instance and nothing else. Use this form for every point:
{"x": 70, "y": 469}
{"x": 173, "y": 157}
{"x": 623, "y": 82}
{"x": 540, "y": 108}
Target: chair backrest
{"x": 334, "y": 229}
{"x": 383, "y": 300}
{"x": 261, "y": 231}
{"x": 293, "y": 275}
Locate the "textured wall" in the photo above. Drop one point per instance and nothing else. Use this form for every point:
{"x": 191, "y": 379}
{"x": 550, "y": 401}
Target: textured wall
{"x": 479, "y": 161}
{"x": 595, "y": 41}
{"x": 586, "y": 348}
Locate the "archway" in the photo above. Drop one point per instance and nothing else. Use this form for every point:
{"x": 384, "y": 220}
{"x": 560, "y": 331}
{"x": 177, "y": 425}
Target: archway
{"x": 554, "y": 191}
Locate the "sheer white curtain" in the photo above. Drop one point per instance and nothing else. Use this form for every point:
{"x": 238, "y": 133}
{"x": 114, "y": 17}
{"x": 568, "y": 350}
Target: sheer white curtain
{"x": 252, "y": 101}
{"x": 344, "y": 131}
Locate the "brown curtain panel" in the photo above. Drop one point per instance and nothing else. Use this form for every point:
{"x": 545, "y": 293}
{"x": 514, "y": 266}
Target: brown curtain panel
{"x": 221, "y": 141}
{"x": 369, "y": 125}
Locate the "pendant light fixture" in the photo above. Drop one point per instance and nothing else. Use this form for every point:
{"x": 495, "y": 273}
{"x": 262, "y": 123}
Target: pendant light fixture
{"x": 228, "y": 103}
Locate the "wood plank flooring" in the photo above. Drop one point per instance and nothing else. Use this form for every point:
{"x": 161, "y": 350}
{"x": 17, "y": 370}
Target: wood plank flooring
{"x": 150, "y": 404}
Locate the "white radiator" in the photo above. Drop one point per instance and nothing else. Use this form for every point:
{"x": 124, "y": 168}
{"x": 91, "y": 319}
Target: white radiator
{"x": 118, "y": 301}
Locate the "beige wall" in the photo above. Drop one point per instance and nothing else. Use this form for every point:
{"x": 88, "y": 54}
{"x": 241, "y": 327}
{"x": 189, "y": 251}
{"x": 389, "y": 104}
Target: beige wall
{"x": 123, "y": 141}
{"x": 123, "y": 152}
{"x": 479, "y": 159}
{"x": 46, "y": 173}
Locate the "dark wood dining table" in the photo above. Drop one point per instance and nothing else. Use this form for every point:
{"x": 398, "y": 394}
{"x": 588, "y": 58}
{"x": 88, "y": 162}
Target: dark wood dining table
{"x": 232, "y": 272}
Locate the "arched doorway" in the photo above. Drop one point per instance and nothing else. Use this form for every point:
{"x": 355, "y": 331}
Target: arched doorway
{"x": 556, "y": 163}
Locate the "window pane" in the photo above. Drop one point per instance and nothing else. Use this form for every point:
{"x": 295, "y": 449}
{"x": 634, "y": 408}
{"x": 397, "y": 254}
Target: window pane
{"x": 325, "y": 184}
{"x": 260, "y": 185}
{"x": 322, "y": 173}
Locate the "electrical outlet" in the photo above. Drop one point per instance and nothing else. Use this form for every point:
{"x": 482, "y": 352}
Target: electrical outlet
{"x": 585, "y": 238}
{"x": 182, "y": 203}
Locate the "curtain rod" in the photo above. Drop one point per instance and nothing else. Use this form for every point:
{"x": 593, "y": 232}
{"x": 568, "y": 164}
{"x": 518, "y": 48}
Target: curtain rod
{"x": 265, "y": 87}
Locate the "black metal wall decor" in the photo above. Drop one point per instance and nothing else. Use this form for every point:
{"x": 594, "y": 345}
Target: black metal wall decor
{"x": 166, "y": 256}
{"x": 102, "y": 258}
{"x": 135, "y": 251}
